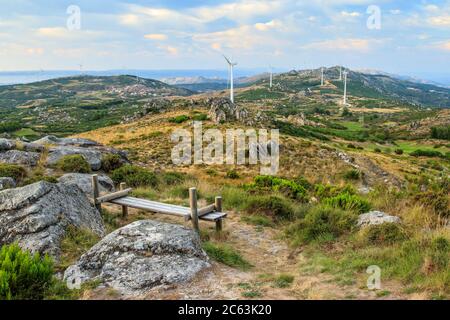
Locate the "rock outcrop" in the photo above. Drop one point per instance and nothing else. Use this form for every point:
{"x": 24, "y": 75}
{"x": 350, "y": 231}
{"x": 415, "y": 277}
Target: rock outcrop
{"x": 6, "y": 183}
{"x": 93, "y": 157}
{"x": 37, "y": 216}
{"x": 20, "y": 157}
{"x": 223, "y": 110}
{"x": 140, "y": 256}
{"x": 52, "y": 140}
{"x": 29, "y": 154}
{"x": 376, "y": 217}
{"x": 84, "y": 182}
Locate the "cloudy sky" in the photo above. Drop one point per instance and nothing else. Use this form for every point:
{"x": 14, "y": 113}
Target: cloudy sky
{"x": 192, "y": 34}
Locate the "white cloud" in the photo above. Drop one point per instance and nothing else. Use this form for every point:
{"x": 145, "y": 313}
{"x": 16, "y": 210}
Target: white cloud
{"x": 444, "y": 45}
{"x": 350, "y": 14}
{"x": 352, "y": 44}
{"x": 268, "y": 25}
{"x": 156, "y": 36}
{"x": 439, "y": 21}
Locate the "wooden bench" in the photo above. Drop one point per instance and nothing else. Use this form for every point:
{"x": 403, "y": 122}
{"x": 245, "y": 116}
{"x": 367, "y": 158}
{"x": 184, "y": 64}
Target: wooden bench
{"x": 212, "y": 213}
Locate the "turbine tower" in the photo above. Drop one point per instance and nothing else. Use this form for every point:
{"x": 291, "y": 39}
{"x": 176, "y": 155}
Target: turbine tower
{"x": 321, "y": 81}
{"x": 232, "y": 65}
{"x": 271, "y": 77}
{"x": 345, "y": 87}
{"x": 340, "y": 73}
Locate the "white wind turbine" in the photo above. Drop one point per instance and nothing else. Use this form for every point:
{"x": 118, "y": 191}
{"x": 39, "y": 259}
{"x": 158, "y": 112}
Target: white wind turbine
{"x": 321, "y": 81}
{"x": 340, "y": 73}
{"x": 345, "y": 87}
{"x": 232, "y": 65}
{"x": 271, "y": 77}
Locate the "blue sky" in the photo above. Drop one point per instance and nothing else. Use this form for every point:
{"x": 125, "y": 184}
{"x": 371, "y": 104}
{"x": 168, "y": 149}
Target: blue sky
{"x": 192, "y": 34}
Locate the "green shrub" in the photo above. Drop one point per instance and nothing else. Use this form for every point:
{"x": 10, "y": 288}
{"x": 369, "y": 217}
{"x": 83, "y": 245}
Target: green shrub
{"x": 437, "y": 200}
{"x": 399, "y": 151}
{"x": 326, "y": 191}
{"x": 38, "y": 178}
{"x": 232, "y": 174}
{"x": 442, "y": 132}
{"x": 134, "y": 176}
{"x": 111, "y": 162}
{"x": 426, "y": 153}
{"x": 287, "y": 187}
{"x": 440, "y": 253}
{"x": 276, "y": 207}
{"x": 179, "y": 119}
{"x": 172, "y": 178}
{"x": 377, "y": 150}
{"x": 18, "y": 173}
{"x": 352, "y": 174}
{"x": 322, "y": 223}
{"x": 226, "y": 254}
{"x": 73, "y": 163}
{"x": 385, "y": 233}
{"x": 284, "y": 281}
{"x": 23, "y": 275}
{"x": 200, "y": 117}
{"x": 347, "y": 201}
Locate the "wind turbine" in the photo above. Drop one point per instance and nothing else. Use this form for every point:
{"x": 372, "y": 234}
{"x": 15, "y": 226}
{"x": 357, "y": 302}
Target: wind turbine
{"x": 271, "y": 77}
{"x": 340, "y": 73}
{"x": 345, "y": 87}
{"x": 321, "y": 81}
{"x": 232, "y": 65}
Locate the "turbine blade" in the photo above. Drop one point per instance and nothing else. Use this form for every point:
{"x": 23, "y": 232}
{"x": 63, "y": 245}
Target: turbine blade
{"x": 229, "y": 62}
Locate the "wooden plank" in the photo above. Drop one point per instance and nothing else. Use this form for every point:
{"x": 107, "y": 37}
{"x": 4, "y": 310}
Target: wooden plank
{"x": 130, "y": 201}
{"x": 143, "y": 206}
{"x": 115, "y": 195}
{"x": 206, "y": 210}
{"x": 193, "y": 205}
{"x": 150, "y": 205}
{"x": 214, "y": 216}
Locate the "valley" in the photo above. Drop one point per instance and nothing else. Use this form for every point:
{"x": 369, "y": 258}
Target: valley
{"x": 361, "y": 184}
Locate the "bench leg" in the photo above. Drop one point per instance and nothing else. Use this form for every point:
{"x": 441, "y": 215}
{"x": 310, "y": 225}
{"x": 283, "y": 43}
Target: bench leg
{"x": 218, "y": 206}
{"x": 96, "y": 192}
{"x": 123, "y": 186}
{"x": 194, "y": 210}
{"x": 219, "y": 225}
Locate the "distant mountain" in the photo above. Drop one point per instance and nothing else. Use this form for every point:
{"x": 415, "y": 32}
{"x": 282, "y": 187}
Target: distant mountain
{"x": 374, "y": 85}
{"x": 78, "y": 103}
{"x": 402, "y": 77}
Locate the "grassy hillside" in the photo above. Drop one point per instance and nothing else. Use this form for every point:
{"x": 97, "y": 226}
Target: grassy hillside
{"x": 76, "y": 104}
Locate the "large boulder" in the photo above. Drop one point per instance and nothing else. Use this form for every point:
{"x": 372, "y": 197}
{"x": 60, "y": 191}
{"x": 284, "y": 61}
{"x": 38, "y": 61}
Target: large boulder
{"x": 375, "y": 218}
{"x": 6, "y": 144}
{"x": 6, "y": 183}
{"x": 223, "y": 110}
{"x": 93, "y": 157}
{"x": 84, "y": 182}
{"x": 37, "y": 216}
{"x": 140, "y": 256}
{"x": 52, "y": 140}
{"x": 27, "y": 158}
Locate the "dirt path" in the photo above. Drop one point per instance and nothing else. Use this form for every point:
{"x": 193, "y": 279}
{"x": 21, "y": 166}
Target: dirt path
{"x": 270, "y": 257}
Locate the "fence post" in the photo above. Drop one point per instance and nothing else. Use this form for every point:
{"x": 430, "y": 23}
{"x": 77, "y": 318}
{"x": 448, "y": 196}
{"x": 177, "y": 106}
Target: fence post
{"x": 218, "y": 205}
{"x": 194, "y": 210}
{"x": 123, "y": 186}
{"x": 96, "y": 192}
